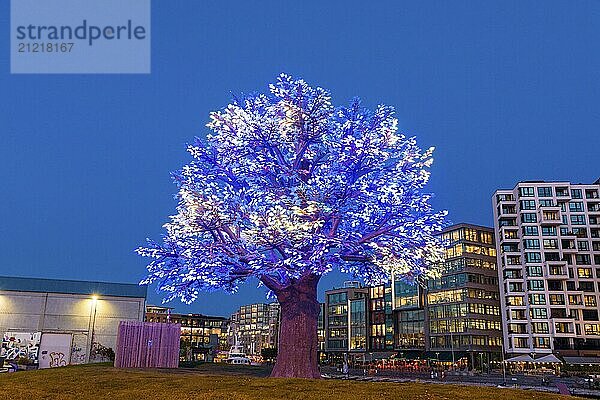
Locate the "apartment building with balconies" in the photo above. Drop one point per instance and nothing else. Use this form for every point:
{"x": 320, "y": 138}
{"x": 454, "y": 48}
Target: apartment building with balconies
{"x": 548, "y": 251}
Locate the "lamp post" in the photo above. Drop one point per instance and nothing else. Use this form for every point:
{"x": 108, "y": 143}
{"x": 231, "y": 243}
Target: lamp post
{"x": 452, "y": 346}
{"x": 503, "y": 368}
{"x": 481, "y": 361}
{"x": 93, "y": 324}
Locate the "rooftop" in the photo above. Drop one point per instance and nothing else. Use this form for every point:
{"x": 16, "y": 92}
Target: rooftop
{"x": 41, "y": 285}
{"x": 466, "y": 225}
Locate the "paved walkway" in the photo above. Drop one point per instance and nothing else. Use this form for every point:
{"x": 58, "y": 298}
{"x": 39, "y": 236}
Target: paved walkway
{"x": 492, "y": 380}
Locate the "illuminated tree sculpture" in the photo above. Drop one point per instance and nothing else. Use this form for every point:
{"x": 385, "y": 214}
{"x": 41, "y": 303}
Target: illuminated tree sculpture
{"x": 287, "y": 188}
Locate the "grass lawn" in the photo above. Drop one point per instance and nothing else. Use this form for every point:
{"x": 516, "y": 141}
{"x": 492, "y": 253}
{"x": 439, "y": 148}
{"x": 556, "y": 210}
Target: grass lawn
{"x": 212, "y": 382}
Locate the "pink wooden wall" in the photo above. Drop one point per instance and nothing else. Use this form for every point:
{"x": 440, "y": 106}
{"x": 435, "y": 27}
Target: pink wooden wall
{"x": 147, "y": 345}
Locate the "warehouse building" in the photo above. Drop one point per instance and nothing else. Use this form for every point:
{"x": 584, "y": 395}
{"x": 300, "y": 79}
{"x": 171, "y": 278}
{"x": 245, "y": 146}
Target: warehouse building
{"x": 61, "y": 322}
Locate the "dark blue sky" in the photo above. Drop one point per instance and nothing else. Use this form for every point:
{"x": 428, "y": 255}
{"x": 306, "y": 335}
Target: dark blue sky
{"x": 506, "y": 91}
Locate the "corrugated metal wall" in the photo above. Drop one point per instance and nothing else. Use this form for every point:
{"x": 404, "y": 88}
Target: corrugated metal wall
{"x": 147, "y": 345}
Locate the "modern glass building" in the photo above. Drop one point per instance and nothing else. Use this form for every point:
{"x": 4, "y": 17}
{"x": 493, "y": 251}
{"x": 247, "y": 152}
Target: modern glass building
{"x": 409, "y": 318}
{"x": 346, "y": 320}
{"x": 203, "y": 337}
{"x": 454, "y": 318}
{"x": 548, "y": 241}
{"x": 462, "y": 305}
{"x": 381, "y": 319}
{"x": 257, "y": 327}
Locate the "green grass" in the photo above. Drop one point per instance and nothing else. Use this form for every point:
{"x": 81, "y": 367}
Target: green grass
{"x": 105, "y": 382}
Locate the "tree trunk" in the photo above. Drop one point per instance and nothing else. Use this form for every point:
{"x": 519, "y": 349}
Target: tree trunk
{"x": 298, "y": 341}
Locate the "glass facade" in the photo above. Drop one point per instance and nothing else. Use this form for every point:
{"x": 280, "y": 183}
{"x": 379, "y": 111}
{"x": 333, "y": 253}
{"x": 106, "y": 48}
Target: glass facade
{"x": 463, "y": 308}
{"x": 257, "y": 327}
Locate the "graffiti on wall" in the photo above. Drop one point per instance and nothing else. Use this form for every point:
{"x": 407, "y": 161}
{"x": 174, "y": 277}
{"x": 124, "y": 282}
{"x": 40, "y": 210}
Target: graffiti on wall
{"x": 17, "y": 345}
{"x": 78, "y": 349}
{"x": 57, "y": 359}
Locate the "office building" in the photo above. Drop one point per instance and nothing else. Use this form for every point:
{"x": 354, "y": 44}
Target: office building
{"x": 409, "y": 318}
{"x": 380, "y": 319}
{"x": 548, "y": 242}
{"x": 203, "y": 337}
{"x": 256, "y": 327}
{"x": 346, "y": 320}
{"x": 321, "y": 330}
{"x": 462, "y": 305}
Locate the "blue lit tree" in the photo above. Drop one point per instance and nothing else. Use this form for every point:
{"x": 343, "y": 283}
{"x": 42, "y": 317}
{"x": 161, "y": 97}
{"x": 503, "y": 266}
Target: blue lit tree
{"x": 287, "y": 188}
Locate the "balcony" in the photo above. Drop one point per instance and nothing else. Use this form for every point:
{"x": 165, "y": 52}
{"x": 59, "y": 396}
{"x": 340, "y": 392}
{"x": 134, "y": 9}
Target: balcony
{"x": 508, "y": 228}
{"x": 556, "y": 273}
{"x": 593, "y": 208}
{"x": 513, "y": 275}
{"x": 512, "y": 261}
{"x": 549, "y": 215}
{"x": 506, "y": 202}
{"x": 563, "y": 194}
{"x": 511, "y": 251}
{"x": 508, "y": 212}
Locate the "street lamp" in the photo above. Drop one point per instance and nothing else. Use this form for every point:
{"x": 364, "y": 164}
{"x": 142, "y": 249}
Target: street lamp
{"x": 93, "y": 324}
{"x": 481, "y": 361}
{"x": 452, "y": 347}
{"x": 503, "y": 368}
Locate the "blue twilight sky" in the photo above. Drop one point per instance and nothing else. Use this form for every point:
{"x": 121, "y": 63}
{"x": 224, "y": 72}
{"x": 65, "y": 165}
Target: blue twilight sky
{"x": 506, "y": 91}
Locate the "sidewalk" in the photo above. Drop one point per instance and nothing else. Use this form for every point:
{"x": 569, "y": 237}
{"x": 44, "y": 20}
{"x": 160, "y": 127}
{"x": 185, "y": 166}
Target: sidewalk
{"x": 492, "y": 380}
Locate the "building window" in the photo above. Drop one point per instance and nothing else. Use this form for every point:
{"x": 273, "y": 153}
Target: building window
{"x": 575, "y": 300}
{"x": 589, "y": 300}
{"x": 582, "y": 259}
{"x": 533, "y": 257}
{"x": 521, "y": 343}
{"x": 541, "y": 342}
{"x": 337, "y": 298}
{"x": 577, "y": 219}
{"x": 591, "y": 194}
{"x": 590, "y": 315}
{"x": 576, "y": 206}
{"x": 576, "y": 194}
{"x": 526, "y": 192}
{"x": 515, "y": 287}
{"x": 527, "y": 204}
{"x": 530, "y": 231}
{"x": 563, "y": 327}
{"x": 555, "y": 285}
{"x": 550, "y": 244}
{"x": 537, "y": 299}
{"x": 529, "y": 218}
{"x": 535, "y": 285}
{"x": 514, "y": 300}
{"x": 557, "y": 299}
{"x": 531, "y": 243}
{"x": 539, "y": 327}
{"x": 544, "y": 191}
{"x": 591, "y": 329}
{"x": 584, "y": 272}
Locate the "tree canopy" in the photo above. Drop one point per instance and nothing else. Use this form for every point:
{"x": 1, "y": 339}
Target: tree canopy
{"x": 288, "y": 185}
